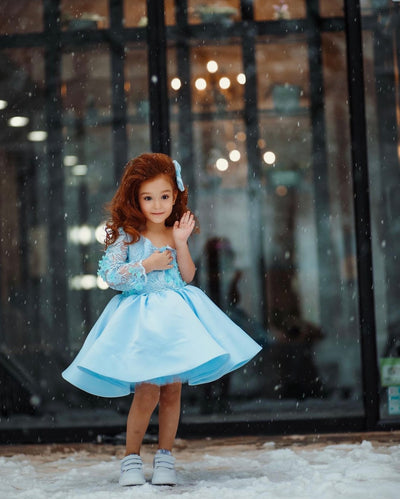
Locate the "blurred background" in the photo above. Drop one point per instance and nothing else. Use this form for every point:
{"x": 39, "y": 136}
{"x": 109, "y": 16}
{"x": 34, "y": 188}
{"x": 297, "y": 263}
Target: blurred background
{"x": 285, "y": 118}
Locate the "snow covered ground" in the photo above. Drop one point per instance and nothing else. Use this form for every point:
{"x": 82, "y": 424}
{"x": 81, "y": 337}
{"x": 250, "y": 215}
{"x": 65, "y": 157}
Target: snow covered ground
{"x": 248, "y": 468}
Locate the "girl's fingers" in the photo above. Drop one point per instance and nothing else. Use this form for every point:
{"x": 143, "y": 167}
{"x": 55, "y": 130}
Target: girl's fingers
{"x": 187, "y": 218}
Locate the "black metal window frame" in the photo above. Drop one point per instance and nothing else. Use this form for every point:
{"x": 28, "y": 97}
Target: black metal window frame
{"x": 156, "y": 35}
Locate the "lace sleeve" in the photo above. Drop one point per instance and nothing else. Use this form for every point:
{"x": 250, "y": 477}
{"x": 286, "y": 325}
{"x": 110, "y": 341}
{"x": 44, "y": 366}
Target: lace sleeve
{"x": 117, "y": 272}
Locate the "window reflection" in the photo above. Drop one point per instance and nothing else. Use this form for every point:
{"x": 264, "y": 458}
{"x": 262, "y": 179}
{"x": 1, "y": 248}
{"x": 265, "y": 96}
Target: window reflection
{"x": 283, "y": 87}
{"x": 304, "y": 301}
{"x": 137, "y": 99}
{"x": 222, "y": 13}
{"x": 169, "y": 10}
{"x": 279, "y": 10}
{"x": 331, "y": 8}
{"x": 77, "y": 15}
{"x": 135, "y": 14}
{"x": 23, "y": 16}
{"x": 24, "y": 236}
{"x": 87, "y": 122}
{"x": 382, "y": 113}
{"x": 217, "y": 78}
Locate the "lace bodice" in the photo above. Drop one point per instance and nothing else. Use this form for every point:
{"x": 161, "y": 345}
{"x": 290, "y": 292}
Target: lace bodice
{"x": 121, "y": 267}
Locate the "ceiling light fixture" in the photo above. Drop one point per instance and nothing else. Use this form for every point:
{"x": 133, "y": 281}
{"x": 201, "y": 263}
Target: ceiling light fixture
{"x": 18, "y": 121}
{"x": 37, "y": 136}
{"x": 70, "y": 160}
{"x": 79, "y": 170}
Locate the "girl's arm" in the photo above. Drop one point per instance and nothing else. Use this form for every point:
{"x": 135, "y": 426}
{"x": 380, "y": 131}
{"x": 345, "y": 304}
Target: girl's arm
{"x": 181, "y": 232}
{"x": 122, "y": 275}
{"x": 117, "y": 272}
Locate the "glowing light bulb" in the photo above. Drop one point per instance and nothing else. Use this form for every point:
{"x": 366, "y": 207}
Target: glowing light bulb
{"x": 234, "y": 155}
{"x": 241, "y": 78}
{"x": 222, "y": 164}
{"x": 269, "y": 157}
{"x": 176, "y": 83}
{"x": 212, "y": 66}
{"x": 200, "y": 84}
{"x": 224, "y": 82}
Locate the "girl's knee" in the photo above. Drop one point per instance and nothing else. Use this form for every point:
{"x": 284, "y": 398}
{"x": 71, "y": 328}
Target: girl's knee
{"x": 170, "y": 394}
{"x": 147, "y": 394}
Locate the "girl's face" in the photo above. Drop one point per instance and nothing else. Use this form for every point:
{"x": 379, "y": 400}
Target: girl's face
{"x": 156, "y": 199}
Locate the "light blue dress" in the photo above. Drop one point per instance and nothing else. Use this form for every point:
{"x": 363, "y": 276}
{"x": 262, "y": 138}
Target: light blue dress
{"x": 158, "y": 330}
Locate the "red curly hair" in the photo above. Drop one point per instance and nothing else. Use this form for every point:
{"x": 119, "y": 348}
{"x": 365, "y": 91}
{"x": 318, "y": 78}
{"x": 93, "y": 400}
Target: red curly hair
{"x": 124, "y": 207}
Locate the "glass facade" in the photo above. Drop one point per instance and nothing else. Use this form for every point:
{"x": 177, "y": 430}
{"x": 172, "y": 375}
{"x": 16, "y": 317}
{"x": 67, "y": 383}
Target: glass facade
{"x": 284, "y": 116}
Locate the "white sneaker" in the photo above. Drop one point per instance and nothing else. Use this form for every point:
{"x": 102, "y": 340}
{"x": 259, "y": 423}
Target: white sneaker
{"x": 164, "y": 469}
{"x": 132, "y": 471}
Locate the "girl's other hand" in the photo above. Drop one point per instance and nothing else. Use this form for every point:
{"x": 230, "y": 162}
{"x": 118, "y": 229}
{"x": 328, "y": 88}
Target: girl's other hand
{"x": 159, "y": 260}
{"x": 182, "y": 229}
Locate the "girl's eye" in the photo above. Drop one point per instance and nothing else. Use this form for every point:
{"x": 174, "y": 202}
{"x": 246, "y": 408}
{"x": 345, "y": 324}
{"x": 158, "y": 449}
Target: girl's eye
{"x": 165, "y": 196}
{"x": 147, "y": 198}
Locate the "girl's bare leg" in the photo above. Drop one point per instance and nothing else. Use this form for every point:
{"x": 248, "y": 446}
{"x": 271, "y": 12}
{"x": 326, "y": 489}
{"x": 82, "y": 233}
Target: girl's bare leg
{"x": 168, "y": 414}
{"x": 144, "y": 402}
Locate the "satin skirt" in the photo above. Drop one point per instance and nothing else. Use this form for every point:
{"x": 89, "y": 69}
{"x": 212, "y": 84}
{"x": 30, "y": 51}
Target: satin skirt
{"x": 160, "y": 338}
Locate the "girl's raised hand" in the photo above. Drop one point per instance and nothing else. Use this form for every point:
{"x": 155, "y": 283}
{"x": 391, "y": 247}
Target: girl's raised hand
{"x": 182, "y": 229}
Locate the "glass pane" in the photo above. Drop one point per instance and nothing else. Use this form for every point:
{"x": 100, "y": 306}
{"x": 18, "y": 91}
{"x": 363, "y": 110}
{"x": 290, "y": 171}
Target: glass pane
{"x": 295, "y": 221}
{"x": 222, "y": 13}
{"x": 369, "y": 6}
{"x": 25, "y": 371}
{"x": 137, "y": 98}
{"x": 381, "y": 63}
{"x": 87, "y": 161}
{"x": 78, "y": 14}
{"x": 311, "y": 280}
{"x": 135, "y": 13}
{"x": 23, "y": 16}
{"x": 169, "y": 8}
{"x": 88, "y": 185}
{"x": 279, "y": 10}
{"x": 331, "y": 8}
{"x": 216, "y": 145}
{"x": 217, "y": 78}
{"x": 283, "y": 86}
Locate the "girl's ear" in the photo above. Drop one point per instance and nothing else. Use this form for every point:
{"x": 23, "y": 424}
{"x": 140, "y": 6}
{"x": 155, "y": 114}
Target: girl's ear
{"x": 175, "y": 195}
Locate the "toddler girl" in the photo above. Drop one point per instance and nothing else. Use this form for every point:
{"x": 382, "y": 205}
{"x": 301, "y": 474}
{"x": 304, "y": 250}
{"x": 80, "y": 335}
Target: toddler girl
{"x": 159, "y": 332}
